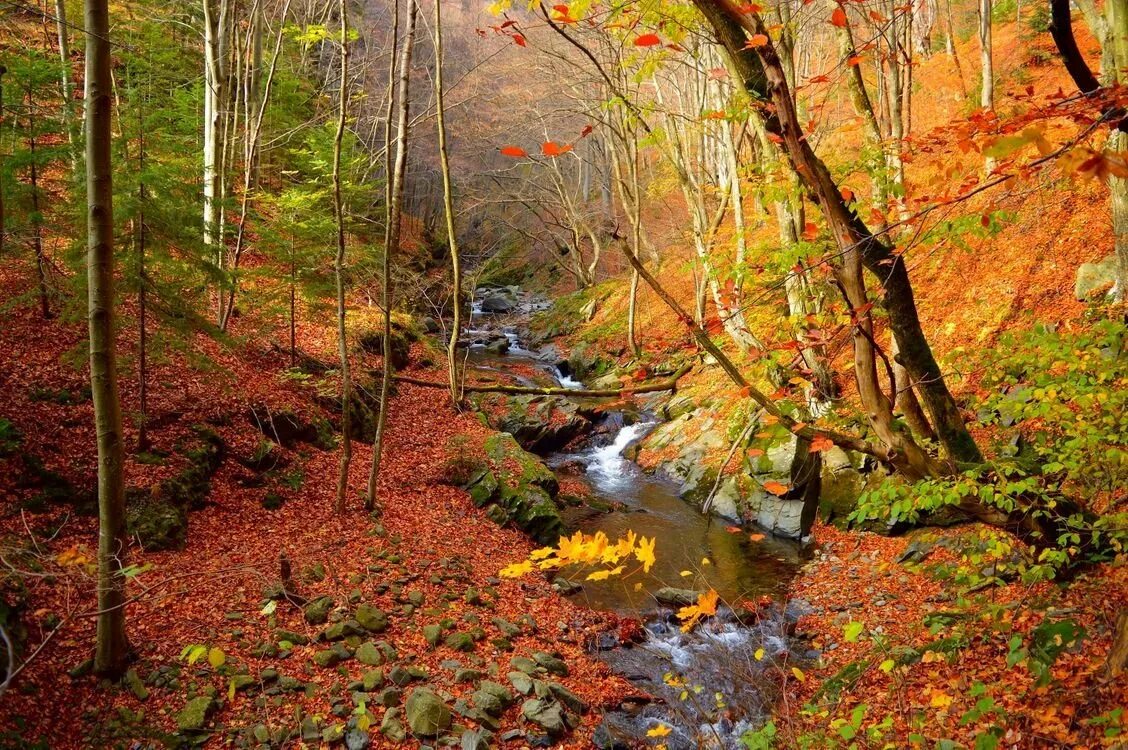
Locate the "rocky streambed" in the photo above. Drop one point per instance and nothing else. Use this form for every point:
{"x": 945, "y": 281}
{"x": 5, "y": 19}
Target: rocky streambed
{"x": 710, "y": 685}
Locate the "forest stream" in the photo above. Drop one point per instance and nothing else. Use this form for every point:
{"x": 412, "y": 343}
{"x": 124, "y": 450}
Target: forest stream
{"x": 695, "y": 552}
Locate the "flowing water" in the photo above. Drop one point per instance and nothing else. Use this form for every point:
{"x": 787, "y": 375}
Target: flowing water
{"x": 709, "y": 684}
{"x": 693, "y": 551}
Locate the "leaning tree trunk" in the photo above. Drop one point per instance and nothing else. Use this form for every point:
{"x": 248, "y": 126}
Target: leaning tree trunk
{"x": 112, "y": 646}
{"x": 339, "y": 270}
{"x": 393, "y": 234}
{"x": 764, "y": 77}
{"x": 448, "y": 209}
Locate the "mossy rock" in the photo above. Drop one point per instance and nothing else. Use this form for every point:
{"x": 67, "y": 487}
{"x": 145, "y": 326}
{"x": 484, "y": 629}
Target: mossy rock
{"x": 287, "y": 428}
{"x": 156, "y": 523}
{"x": 372, "y": 342}
{"x": 194, "y": 716}
{"x": 426, "y": 713}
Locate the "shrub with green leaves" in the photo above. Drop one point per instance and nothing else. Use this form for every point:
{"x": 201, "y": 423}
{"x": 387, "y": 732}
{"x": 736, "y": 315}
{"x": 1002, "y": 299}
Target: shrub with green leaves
{"x": 1058, "y": 405}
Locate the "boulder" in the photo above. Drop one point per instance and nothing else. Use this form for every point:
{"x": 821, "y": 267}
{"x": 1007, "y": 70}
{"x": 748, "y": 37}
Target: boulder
{"x": 521, "y": 486}
{"x": 195, "y": 713}
{"x": 426, "y": 714}
{"x": 1095, "y": 277}
{"x": 499, "y": 300}
{"x": 540, "y": 424}
{"x": 545, "y": 714}
{"x": 371, "y": 619}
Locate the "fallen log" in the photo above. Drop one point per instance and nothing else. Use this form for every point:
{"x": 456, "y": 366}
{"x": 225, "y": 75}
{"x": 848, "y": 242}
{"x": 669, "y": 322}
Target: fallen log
{"x": 666, "y": 384}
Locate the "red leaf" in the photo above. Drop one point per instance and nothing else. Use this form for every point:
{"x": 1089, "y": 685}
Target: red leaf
{"x": 776, "y": 488}
{"x": 647, "y": 40}
{"x": 588, "y": 129}
{"x": 551, "y": 148}
{"x": 838, "y": 17}
{"x": 514, "y": 151}
{"x": 519, "y": 40}
{"x": 821, "y": 443}
{"x": 810, "y": 231}
{"x": 757, "y": 40}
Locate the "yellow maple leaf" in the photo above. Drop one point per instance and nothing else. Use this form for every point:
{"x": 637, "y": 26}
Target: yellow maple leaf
{"x": 659, "y": 731}
{"x": 940, "y": 700}
{"x": 516, "y": 570}
{"x": 706, "y": 607}
{"x": 603, "y": 575}
{"x": 645, "y": 553}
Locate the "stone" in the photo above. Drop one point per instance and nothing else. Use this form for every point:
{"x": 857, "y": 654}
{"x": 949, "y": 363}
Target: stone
{"x": 296, "y": 639}
{"x": 317, "y": 611}
{"x": 432, "y": 633}
{"x": 570, "y": 700}
{"x": 338, "y": 631}
{"x": 333, "y": 734}
{"x": 369, "y": 654}
{"x": 475, "y": 739}
{"x": 460, "y": 642}
{"x": 388, "y": 697}
{"x": 521, "y": 682}
{"x": 673, "y": 597}
{"x": 243, "y": 682}
{"x": 357, "y": 739}
{"x": 508, "y": 629}
{"x": 465, "y": 674}
{"x": 554, "y": 665}
{"x": 371, "y": 619}
{"x": 310, "y": 729}
{"x": 426, "y": 713}
{"x": 136, "y": 686}
{"x": 327, "y": 658}
{"x": 371, "y": 679}
{"x": 195, "y": 713}
{"x": 391, "y": 727}
{"x": 492, "y": 698}
{"x": 1095, "y": 277}
{"x": 546, "y": 715}
{"x": 523, "y": 664}
{"x": 565, "y": 587}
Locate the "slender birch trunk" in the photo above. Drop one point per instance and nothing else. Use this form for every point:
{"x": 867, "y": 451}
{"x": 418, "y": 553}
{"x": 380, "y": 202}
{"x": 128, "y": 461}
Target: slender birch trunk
{"x": 395, "y": 215}
{"x": 339, "y": 269}
{"x": 448, "y": 208}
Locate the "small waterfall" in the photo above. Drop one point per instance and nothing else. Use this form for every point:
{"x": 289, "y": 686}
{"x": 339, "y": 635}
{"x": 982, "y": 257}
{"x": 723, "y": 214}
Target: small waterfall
{"x": 567, "y": 380}
{"x": 606, "y": 466}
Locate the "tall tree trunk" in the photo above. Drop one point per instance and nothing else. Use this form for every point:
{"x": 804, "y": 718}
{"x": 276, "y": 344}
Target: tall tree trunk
{"x": 37, "y": 229}
{"x": 112, "y": 646}
{"x": 392, "y": 235}
{"x": 67, "y": 80}
{"x": 987, "y": 68}
{"x": 339, "y": 268}
{"x": 215, "y": 116}
{"x": 950, "y": 45}
{"x": 448, "y": 209}
{"x": 142, "y": 296}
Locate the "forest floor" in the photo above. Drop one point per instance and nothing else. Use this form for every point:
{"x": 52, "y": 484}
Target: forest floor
{"x": 431, "y": 557}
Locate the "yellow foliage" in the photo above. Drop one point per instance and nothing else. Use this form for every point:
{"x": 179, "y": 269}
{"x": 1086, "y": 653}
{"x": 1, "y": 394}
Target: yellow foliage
{"x": 588, "y": 550}
{"x": 706, "y": 607}
{"x": 659, "y": 731}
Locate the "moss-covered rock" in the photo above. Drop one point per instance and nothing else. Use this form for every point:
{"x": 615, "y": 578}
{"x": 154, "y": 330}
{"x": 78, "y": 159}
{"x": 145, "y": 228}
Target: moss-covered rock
{"x": 195, "y": 713}
{"x": 521, "y": 487}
